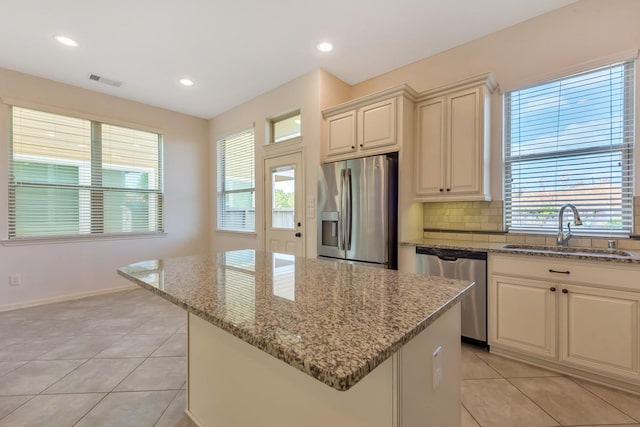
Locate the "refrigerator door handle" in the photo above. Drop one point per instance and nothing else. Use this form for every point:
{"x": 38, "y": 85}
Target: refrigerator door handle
{"x": 341, "y": 230}
{"x": 349, "y": 211}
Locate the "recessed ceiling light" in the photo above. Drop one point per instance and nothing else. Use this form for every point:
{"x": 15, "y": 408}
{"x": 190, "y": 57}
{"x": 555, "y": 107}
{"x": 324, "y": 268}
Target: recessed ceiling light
{"x": 186, "y": 82}
{"x": 66, "y": 41}
{"x": 324, "y": 47}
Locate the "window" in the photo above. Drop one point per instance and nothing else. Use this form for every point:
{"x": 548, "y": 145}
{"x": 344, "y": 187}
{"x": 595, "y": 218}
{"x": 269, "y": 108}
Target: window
{"x": 71, "y": 176}
{"x": 286, "y": 127}
{"x": 570, "y": 141}
{"x": 236, "y": 183}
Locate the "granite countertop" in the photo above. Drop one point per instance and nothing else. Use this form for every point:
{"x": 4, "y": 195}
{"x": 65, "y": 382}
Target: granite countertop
{"x": 570, "y": 252}
{"x": 332, "y": 320}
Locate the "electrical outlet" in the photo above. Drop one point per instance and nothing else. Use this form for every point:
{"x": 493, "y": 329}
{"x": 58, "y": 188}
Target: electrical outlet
{"x": 15, "y": 280}
{"x": 437, "y": 367}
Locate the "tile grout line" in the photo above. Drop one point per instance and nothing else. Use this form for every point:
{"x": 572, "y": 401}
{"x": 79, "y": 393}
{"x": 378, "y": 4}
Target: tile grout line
{"x": 91, "y": 409}
{"x": 165, "y": 409}
{"x": 604, "y": 400}
{"x": 64, "y": 376}
{"x": 19, "y": 406}
{"x": 533, "y": 401}
{"x": 470, "y": 414}
{"x": 513, "y": 385}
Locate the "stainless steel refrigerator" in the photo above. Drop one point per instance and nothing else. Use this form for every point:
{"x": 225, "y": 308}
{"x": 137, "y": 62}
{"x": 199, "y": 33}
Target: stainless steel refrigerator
{"x": 357, "y": 210}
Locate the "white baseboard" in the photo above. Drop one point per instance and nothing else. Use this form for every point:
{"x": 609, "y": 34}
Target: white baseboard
{"x": 67, "y": 297}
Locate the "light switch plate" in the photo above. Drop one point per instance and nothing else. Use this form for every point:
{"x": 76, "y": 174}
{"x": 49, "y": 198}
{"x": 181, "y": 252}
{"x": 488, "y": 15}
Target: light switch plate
{"x": 437, "y": 367}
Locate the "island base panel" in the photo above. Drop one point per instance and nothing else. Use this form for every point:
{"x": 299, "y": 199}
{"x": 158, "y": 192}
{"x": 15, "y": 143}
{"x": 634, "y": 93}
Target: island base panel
{"x": 231, "y": 383}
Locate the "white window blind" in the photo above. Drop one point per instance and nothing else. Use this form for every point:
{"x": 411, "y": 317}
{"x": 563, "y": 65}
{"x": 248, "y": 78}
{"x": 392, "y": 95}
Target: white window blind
{"x": 71, "y": 176}
{"x": 571, "y": 141}
{"x": 236, "y": 182}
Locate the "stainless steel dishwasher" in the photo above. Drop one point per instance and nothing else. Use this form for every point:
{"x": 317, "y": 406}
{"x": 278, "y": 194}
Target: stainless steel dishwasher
{"x": 463, "y": 265}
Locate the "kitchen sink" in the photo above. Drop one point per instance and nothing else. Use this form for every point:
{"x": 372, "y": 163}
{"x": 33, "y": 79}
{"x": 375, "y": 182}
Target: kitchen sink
{"x": 567, "y": 249}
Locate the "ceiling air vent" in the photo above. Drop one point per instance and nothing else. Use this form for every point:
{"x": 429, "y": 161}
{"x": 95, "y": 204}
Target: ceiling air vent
{"x": 105, "y": 80}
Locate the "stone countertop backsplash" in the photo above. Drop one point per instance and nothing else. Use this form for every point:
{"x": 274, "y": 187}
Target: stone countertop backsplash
{"x": 533, "y": 245}
{"x": 332, "y": 320}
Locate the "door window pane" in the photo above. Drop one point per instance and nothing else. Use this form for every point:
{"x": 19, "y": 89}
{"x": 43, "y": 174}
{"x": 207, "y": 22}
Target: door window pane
{"x": 283, "y": 180}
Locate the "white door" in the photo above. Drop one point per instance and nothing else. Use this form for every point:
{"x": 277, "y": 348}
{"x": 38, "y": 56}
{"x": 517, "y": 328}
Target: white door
{"x": 284, "y": 204}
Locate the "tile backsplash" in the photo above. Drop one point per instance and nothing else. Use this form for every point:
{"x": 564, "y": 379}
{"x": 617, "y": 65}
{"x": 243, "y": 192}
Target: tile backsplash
{"x": 484, "y": 222}
{"x": 464, "y": 216}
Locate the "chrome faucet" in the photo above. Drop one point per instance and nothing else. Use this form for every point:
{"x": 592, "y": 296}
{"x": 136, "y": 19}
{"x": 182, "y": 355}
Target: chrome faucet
{"x": 563, "y": 237}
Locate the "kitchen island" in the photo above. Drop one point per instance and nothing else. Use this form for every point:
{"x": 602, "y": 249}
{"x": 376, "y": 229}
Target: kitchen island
{"x": 362, "y": 346}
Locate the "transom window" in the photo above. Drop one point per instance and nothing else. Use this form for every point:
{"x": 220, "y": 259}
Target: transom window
{"x": 286, "y": 127}
{"x": 571, "y": 141}
{"x": 70, "y": 176}
{"x": 236, "y": 183}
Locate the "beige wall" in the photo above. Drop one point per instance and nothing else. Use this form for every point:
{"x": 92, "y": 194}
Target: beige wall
{"x": 59, "y": 270}
{"x": 308, "y": 93}
{"x": 579, "y": 36}
{"x": 567, "y": 40}
{"x": 582, "y": 35}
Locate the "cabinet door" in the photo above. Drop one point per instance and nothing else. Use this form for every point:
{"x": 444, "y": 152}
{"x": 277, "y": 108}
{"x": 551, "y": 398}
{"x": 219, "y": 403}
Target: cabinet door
{"x": 430, "y": 168}
{"x": 377, "y": 124}
{"x": 599, "y": 329}
{"x": 522, "y": 315}
{"x": 465, "y": 150}
{"x": 341, "y": 133}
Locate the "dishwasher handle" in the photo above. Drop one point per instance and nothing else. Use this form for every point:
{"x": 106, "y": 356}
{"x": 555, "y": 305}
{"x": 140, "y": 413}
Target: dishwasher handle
{"x": 451, "y": 254}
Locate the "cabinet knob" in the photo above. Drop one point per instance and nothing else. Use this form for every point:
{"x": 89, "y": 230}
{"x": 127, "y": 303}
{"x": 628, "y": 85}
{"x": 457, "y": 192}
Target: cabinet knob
{"x": 448, "y": 189}
{"x": 441, "y": 190}
{"x": 353, "y": 147}
{"x": 552, "y": 289}
{"x": 361, "y": 145}
{"x": 565, "y": 291}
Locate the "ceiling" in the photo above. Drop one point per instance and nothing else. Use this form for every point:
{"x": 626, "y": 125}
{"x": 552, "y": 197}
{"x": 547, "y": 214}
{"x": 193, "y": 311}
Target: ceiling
{"x": 237, "y": 50}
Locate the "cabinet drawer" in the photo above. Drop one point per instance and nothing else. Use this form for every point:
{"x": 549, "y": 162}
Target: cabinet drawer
{"x": 601, "y": 274}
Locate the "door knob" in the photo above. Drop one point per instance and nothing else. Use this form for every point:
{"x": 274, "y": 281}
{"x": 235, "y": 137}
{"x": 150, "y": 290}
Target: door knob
{"x": 298, "y": 234}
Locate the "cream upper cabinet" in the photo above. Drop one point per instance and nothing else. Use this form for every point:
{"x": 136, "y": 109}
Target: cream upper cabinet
{"x": 367, "y": 126}
{"x": 377, "y": 125}
{"x": 341, "y": 133}
{"x": 577, "y": 316}
{"x": 452, "y": 147}
{"x": 431, "y": 166}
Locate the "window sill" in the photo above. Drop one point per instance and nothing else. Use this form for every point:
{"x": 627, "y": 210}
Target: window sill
{"x": 247, "y": 234}
{"x": 25, "y": 241}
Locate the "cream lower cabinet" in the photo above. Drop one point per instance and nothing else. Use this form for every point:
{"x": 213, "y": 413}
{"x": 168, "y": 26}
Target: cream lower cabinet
{"x": 577, "y": 317}
{"x": 599, "y": 329}
{"x": 525, "y": 315}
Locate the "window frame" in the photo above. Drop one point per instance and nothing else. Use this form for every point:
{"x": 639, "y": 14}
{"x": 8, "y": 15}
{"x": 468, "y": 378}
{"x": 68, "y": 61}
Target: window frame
{"x": 281, "y": 118}
{"x": 92, "y": 182}
{"x": 625, "y": 149}
{"x": 221, "y": 179}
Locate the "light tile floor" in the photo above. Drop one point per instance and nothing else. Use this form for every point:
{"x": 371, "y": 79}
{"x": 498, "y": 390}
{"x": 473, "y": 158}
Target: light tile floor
{"x": 111, "y": 360}
{"x": 499, "y": 392}
{"x": 119, "y": 360}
